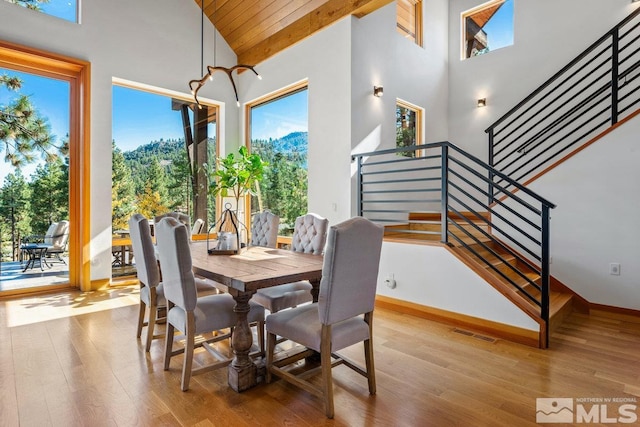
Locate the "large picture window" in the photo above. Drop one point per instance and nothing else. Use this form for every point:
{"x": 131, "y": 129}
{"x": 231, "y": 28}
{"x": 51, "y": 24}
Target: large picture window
{"x": 64, "y": 9}
{"x": 278, "y": 129}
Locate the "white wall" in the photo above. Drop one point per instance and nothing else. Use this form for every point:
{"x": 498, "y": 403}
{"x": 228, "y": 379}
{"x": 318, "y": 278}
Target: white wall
{"x": 547, "y": 35}
{"x": 596, "y": 220}
{"x": 324, "y": 60}
{"x": 432, "y": 276}
{"x": 139, "y": 41}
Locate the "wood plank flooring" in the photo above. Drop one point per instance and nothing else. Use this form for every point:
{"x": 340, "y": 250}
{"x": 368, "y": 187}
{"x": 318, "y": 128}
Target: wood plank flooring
{"x": 72, "y": 359}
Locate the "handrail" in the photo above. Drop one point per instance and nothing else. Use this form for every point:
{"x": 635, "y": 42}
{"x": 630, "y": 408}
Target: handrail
{"x": 460, "y": 191}
{"x": 595, "y": 90}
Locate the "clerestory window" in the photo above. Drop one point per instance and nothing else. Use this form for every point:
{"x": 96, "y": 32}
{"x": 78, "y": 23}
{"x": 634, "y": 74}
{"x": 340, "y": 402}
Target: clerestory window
{"x": 487, "y": 27}
{"x": 409, "y": 22}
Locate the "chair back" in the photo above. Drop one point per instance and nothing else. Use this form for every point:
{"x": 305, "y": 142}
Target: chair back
{"x": 175, "y": 258}
{"x": 350, "y": 270}
{"x": 198, "y": 226}
{"x": 309, "y": 234}
{"x": 264, "y": 229}
{"x": 48, "y": 236}
{"x": 143, "y": 250}
{"x": 60, "y": 235}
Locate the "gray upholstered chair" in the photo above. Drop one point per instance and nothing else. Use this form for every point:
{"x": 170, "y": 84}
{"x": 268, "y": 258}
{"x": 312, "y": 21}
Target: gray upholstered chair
{"x": 309, "y": 236}
{"x": 347, "y": 291}
{"x": 264, "y": 229}
{"x": 186, "y": 311}
{"x": 151, "y": 289}
{"x": 183, "y": 218}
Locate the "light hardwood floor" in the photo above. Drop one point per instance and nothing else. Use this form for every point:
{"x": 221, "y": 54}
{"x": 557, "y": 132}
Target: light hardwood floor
{"x": 72, "y": 359}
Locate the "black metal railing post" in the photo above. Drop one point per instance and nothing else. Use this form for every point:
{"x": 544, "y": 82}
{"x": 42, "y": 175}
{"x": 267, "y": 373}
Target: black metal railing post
{"x": 359, "y": 186}
{"x": 545, "y": 274}
{"x": 491, "y": 163}
{"x": 615, "y": 63}
{"x": 444, "y": 184}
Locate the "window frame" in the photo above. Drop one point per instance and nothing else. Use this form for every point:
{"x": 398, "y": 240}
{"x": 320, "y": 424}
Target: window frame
{"x": 419, "y": 123}
{"x": 416, "y": 37}
{"x": 463, "y": 25}
{"x": 270, "y": 97}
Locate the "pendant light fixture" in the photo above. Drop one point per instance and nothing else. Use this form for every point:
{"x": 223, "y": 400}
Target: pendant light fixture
{"x": 196, "y": 84}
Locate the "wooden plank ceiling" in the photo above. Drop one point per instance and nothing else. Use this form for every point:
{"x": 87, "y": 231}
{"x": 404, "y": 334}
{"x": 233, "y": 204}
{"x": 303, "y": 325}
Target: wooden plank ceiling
{"x": 258, "y": 29}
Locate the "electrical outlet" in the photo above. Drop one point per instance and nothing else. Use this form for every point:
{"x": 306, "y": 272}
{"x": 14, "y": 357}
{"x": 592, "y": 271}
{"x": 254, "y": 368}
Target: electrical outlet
{"x": 390, "y": 281}
{"x": 614, "y": 269}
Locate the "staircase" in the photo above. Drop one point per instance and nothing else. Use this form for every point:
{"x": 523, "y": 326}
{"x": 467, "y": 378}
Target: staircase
{"x": 483, "y": 212}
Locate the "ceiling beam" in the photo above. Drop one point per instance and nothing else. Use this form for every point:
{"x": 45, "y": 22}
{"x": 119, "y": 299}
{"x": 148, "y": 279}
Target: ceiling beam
{"x": 331, "y": 11}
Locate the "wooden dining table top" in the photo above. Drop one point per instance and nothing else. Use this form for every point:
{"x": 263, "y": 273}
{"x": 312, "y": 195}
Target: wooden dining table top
{"x": 255, "y": 267}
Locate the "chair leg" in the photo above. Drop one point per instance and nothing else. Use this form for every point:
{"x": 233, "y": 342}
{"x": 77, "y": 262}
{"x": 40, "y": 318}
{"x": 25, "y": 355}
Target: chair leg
{"x": 143, "y": 308}
{"x": 151, "y": 323}
{"x": 325, "y": 361}
{"x": 168, "y": 345}
{"x": 260, "y": 327}
{"x": 271, "y": 348}
{"x": 188, "y": 350}
{"x": 368, "y": 354}
{"x": 371, "y": 371}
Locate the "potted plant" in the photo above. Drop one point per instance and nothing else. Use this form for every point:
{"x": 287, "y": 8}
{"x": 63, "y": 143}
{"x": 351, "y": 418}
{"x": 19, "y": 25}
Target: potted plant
{"x": 236, "y": 175}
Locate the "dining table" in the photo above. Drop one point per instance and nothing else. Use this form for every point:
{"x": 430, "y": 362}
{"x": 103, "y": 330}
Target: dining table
{"x": 243, "y": 274}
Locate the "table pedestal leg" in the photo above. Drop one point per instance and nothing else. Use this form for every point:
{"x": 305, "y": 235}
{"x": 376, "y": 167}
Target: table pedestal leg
{"x": 315, "y": 290}
{"x": 242, "y": 371}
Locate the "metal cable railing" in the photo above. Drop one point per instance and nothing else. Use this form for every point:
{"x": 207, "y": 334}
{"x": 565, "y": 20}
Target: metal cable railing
{"x": 596, "y": 90}
{"x": 444, "y": 193}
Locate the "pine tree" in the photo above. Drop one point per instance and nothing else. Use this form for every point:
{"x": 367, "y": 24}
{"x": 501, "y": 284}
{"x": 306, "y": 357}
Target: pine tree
{"x": 15, "y": 214}
{"x": 123, "y": 199}
{"x": 49, "y": 195}
{"x": 23, "y": 131}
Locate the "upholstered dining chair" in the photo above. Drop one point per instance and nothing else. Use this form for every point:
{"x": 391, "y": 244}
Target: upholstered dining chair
{"x": 347, "y": 291}
{"x": 151, "y": 288}
{"x": 264, "y": 229}
{"x": 183, "y": 218}
{"x": 309, "y": 236}
{"x": 186, "y": 311}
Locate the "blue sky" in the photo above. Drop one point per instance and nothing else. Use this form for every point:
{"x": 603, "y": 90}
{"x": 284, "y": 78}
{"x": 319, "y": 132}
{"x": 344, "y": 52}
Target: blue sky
{"x": 280, "y": 118}
{"x": 51, "y": 99}
{"x": 500, "y": 27}
{"x": 65, "y": 9}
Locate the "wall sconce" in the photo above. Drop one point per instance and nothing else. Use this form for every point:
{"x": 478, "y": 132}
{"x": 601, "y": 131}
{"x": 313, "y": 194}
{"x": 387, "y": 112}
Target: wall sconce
{"x": 482, "y": 102}
{"x": 377, "y": 91}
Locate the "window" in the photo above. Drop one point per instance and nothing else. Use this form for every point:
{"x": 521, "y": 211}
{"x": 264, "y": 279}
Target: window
{"x": 162, "y": 146}
{"x": 487, "y": 27}
{"x": 64, "y": 9}
{"x": 278, "y": 133}
{"x": 410, "y": 20}
{"x": 408, "y": 127}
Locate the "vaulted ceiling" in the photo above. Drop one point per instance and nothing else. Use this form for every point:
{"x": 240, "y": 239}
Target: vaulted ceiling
{"x": 258, "y": 29}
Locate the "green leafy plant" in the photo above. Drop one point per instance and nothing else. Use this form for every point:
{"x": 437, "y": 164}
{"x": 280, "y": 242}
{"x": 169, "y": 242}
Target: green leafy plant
{"x": 237, "y": 175}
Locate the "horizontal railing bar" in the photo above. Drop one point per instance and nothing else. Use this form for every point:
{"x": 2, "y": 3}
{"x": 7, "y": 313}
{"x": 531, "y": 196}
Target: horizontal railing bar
{"x": 624, "y": 109}
{"x": 572, "y": 111}
{"x": 383, "y": 220}
{"x": 626, "y": 33}
{"x": 402, "y": 201}
{"x": 492, "y": 224}
{"x": 418, "y": 232}
{"x": 508, "y": 279}
{"x": 501, "y": 203}
{"x": 426, "y": 168}
{"x": 498, "y": 173}
{"x": 560, "y": 84}
{"x": 398, "y": 150}
{"x": 550, "y": 113}
{"x": 588, "y": 120}
{"x": 567, "y": 67}
{"x": 386, "y": 162}
{"x": 387, "y": 211}
{"x": 567, "y": 146}
{"x": 502, "y": 189}
{"x": 417, "y": 190}
{"x": 396, "y": 181}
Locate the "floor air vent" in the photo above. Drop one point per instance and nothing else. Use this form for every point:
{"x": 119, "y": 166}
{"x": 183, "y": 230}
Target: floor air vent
{"x": 471, "y": 334}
